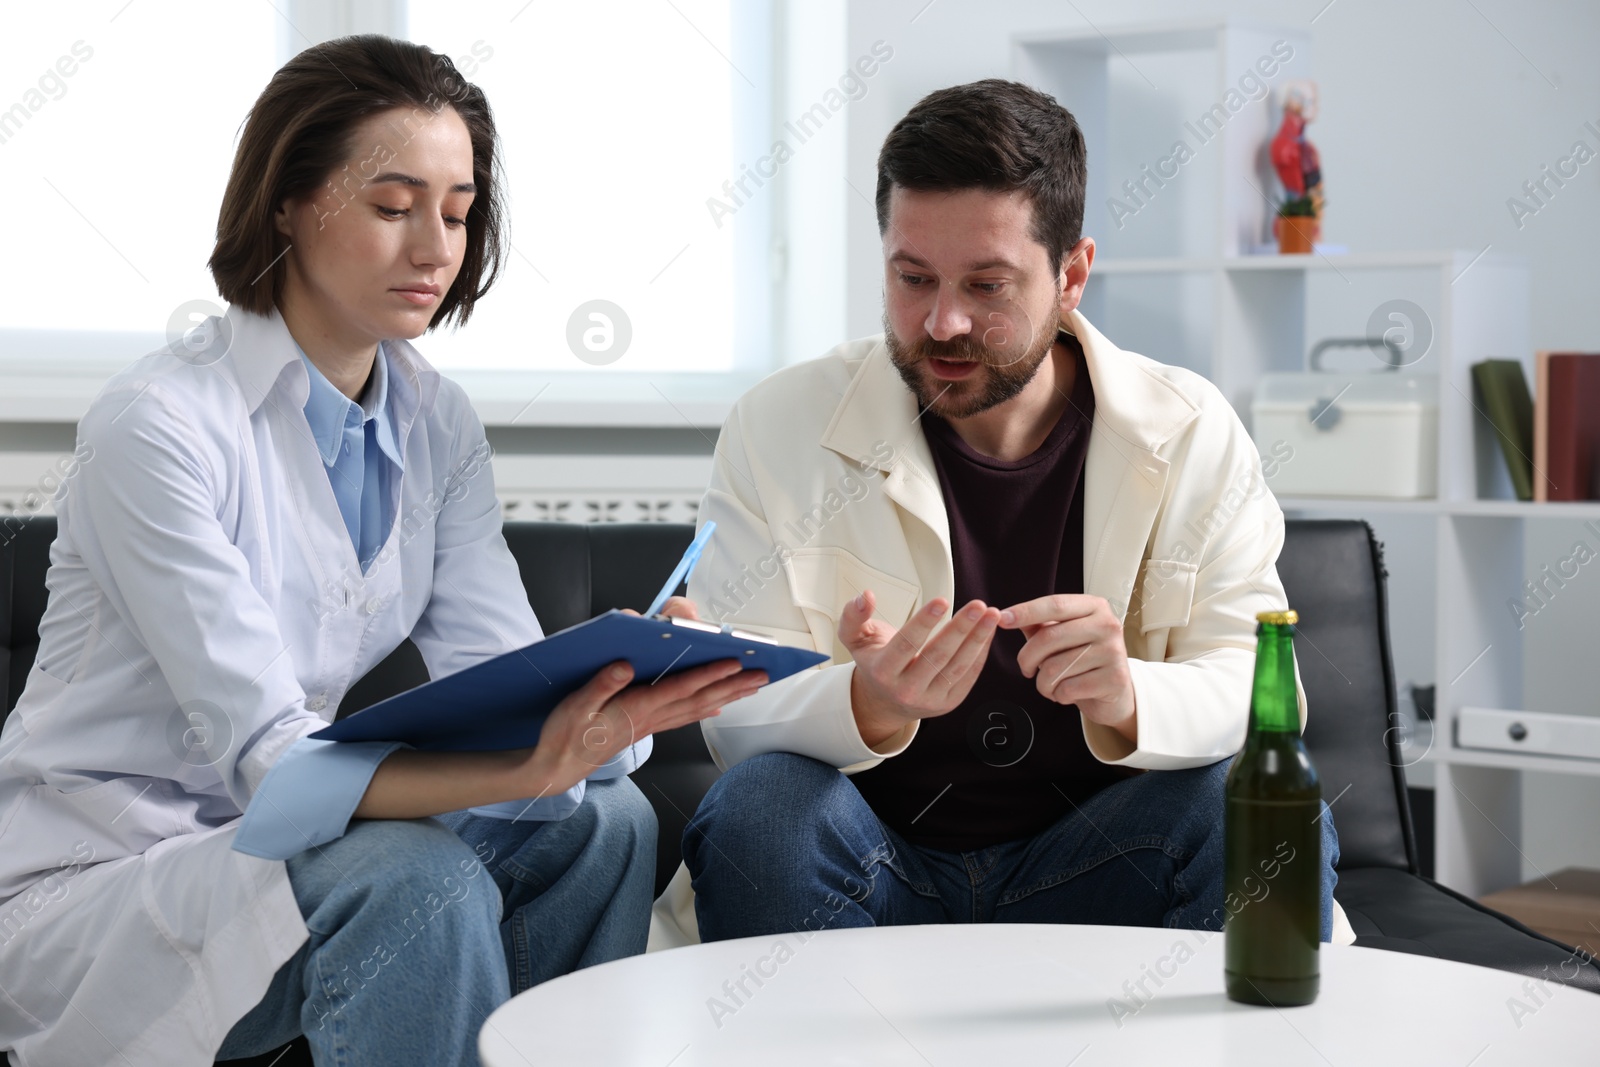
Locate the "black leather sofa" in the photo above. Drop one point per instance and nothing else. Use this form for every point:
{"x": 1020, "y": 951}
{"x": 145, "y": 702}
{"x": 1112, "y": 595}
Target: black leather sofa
{"x": 1333, "y": 572}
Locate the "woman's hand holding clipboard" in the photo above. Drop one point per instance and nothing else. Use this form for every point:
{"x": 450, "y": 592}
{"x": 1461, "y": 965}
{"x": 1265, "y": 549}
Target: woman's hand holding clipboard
{"x": 569, "y": 703}
{"x": 595, "y": 723}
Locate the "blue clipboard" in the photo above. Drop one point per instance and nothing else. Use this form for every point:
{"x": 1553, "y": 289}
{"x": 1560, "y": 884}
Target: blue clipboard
{"x": 502, "y": 703}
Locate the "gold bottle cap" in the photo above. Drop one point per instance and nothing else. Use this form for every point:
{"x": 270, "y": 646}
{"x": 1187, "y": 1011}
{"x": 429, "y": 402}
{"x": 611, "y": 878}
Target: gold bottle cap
{"x": 1279, "y": 618}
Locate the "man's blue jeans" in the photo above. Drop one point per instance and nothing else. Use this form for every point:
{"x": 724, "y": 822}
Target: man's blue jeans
{"x": 784, "y": 843}
{"x": 421, "y": 928}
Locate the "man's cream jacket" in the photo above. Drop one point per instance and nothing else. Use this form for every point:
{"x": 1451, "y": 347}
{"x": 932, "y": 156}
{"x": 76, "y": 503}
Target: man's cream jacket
{"x": 823, "y": 486}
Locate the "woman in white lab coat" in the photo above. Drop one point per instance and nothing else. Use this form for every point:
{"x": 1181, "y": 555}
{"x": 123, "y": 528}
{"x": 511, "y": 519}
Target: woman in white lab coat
{"x": 261, "y": 513}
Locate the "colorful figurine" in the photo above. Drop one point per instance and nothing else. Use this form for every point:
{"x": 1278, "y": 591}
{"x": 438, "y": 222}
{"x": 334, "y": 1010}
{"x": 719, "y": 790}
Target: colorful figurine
{"x": 1295, "y": 158}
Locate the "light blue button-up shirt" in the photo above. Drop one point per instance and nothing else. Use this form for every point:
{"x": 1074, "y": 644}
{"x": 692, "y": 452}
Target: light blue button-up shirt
{"x": 310, "y": 794}
{"x": 357, "y": 444}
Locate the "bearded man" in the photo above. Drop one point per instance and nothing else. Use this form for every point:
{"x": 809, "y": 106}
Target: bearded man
{"x": 1035, "y": 558}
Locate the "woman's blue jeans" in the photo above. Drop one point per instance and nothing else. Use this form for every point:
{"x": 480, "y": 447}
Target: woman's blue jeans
{"x": 421, "y": 928}
{"x": 784, "y": 843}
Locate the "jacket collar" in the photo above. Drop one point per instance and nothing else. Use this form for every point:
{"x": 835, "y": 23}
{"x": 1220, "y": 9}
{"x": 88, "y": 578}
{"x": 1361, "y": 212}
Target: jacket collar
{"x": 1140, "y": 409}
{"x": 262, "y": 349}
{"x": 1136, "y": 412}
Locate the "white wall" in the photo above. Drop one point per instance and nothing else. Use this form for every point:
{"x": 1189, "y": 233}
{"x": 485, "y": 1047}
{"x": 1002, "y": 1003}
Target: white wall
{"x": 1430, "y": 121}
{"x": 1434, "y": 113}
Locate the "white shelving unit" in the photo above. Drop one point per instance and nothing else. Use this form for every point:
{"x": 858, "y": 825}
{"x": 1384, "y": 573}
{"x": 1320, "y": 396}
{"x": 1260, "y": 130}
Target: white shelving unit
{"x": 1173, "y": 280}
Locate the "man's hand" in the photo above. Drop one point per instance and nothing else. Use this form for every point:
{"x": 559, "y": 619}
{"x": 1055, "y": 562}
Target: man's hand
{"x": 898, "y": 679}
{"x": 1076, "y": 655}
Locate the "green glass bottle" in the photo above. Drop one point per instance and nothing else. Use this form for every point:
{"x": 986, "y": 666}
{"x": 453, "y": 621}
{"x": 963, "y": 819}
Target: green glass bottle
{"x": 1273, "y": 843}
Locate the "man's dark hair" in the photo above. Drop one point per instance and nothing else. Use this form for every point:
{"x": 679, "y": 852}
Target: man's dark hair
{"x": 997, "y": 135}
{"x": 301, "y": 131}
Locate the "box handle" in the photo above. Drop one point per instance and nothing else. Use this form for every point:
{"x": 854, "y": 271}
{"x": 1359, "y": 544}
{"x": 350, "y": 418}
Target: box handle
{"x": 1394, "y": 362}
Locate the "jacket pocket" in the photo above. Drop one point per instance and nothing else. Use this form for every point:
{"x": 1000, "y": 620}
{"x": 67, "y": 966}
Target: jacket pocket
{"x": 41, "y": 692}
{"x": 825, "y": 579}
{"x": 1166, "y": 593}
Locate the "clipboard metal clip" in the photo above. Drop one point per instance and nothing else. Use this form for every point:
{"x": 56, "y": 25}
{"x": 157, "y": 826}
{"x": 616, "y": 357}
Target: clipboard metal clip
{"x": 712, "y": 628}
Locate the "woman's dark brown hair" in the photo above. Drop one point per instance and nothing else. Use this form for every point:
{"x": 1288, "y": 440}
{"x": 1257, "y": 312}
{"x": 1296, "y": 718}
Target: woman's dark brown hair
{"x": 997, "y": 135}
{"x": 301, "y": 130}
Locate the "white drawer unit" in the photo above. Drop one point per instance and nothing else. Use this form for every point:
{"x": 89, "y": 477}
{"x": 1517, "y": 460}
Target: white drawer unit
{"x": 1535, "y": 733}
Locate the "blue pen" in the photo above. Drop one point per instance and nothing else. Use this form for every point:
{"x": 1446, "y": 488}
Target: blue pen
{"x": 685, "y": 567}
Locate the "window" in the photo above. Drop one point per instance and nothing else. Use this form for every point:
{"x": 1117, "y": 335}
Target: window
{"x": 620, "y": 123}
{"x": 116, "y": 135}
{"x": 636, "y": 137}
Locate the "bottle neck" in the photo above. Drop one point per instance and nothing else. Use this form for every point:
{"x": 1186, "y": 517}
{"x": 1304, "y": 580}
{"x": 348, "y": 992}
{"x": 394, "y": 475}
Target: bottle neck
{"x": 1274, "y": 704}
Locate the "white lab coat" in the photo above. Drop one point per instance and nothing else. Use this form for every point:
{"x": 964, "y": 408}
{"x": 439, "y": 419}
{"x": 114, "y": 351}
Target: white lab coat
{"x": 204, "y": 589}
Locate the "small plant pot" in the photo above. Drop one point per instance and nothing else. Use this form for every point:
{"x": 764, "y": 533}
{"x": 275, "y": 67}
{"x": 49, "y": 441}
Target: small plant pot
{"x": 1295, "y": 233}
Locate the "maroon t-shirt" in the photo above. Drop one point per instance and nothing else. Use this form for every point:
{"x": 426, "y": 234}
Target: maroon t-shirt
{"x": 1003, "y": 764}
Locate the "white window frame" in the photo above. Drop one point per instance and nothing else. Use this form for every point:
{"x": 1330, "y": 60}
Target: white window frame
{"x": 791, "y": 245}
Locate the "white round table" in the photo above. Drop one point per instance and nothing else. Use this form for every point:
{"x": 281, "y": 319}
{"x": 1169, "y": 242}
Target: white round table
{"x": 1019, "y": 994}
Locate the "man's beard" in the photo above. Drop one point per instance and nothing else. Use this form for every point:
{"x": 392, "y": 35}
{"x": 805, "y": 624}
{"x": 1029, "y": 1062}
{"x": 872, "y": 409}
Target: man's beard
{"x": 1001, "y": 377}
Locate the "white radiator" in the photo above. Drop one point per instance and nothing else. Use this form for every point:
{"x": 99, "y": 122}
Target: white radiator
{"x": 542, "y": 487}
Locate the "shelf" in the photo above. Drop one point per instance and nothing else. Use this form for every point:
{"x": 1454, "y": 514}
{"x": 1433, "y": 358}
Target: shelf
{"x": 1139, "y": 37}
{"x": 1364, "y": 505}
{"x": 1508, "y": 509}
{"x": 1355, "y": 261}
{"x": 1524, "y": 509}
{"x": 1513, "y": 761}
{"x": 1161, "y": 265}
{"x": 1306, "y": 261}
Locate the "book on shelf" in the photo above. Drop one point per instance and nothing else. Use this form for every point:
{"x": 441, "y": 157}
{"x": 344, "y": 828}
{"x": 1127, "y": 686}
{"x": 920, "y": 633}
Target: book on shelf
{"x": 1503, "y": 397}
{"x": 1541, "y": 426}
{"x": 1567, "y": 426}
